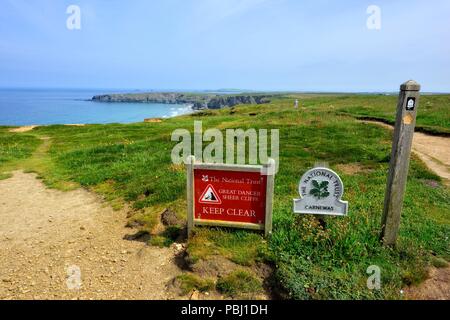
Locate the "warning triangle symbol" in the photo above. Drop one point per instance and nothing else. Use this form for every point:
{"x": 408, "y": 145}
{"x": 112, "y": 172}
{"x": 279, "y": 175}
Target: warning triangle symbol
{"x": 210, "y": 196}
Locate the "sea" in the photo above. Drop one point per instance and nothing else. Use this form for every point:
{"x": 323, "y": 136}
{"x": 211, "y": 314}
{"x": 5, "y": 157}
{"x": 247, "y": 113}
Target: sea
{"x": 22, "y": 107}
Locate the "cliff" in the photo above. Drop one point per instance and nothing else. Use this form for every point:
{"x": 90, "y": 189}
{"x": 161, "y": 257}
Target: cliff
{"x": 198, "y": 101}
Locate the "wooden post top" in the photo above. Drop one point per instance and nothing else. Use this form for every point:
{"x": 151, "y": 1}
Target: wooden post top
{"x": 410, "y": 85}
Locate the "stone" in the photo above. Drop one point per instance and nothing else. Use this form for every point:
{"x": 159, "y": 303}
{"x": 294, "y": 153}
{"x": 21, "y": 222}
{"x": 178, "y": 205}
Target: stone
{"x": 169, "y": 218}
{"x": 194, "y": 295}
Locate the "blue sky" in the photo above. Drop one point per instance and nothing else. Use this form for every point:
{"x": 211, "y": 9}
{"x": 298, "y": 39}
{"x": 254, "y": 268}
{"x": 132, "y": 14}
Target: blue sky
{"x": 210, "y": 44}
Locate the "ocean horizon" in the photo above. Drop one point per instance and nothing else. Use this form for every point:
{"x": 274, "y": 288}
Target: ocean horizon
{"x": 47, "y": 106}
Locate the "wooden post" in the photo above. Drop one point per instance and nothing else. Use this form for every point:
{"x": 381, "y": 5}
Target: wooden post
{"x": 190, "y": 193}
{"x": 408, "y": 103}
{"x": 269, "y": 196}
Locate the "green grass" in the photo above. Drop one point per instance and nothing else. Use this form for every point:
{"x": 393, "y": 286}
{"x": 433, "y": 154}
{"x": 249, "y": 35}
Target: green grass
{"x": 15, "y": 147}
{"x": 189, "y": 282}
{"x": 237, "y": 284}
{"x": 439, "y": 262}
{"x": 433, "y": 116}
{"x": 241, "y": 247}
{"x": 130, "y": 164}
{"x": 240, "y": 284}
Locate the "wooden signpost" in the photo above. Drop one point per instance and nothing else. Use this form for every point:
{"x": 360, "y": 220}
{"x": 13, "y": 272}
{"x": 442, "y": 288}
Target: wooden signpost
{"x": 227, "y": 195}
{"x": 408, "y": 102}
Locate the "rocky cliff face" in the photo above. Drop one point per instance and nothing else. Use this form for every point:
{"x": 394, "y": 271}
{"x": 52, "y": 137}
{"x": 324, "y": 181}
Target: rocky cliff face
{"x": 230, "y": 101}
{"x": 207, "y": 101}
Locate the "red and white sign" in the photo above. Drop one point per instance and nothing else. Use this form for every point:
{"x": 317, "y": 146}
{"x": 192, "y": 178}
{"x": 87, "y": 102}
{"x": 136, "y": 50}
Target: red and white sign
{"x": 230, "y": 195}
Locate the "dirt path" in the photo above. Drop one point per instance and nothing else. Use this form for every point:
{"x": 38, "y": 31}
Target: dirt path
{"x": 22, "y": 129}
{"x": 434, "y": 151}
{"x": 436, "y": 287}
{"x": 47, "y": 236}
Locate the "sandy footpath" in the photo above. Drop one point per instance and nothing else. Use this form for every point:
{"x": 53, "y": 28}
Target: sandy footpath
{"x": 47, "y": 237}
{"x": 436, "y": 287}
{"x": 434, "y": 151}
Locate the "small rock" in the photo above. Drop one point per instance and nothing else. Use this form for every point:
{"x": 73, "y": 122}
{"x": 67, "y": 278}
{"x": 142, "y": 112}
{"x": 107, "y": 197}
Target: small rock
{"x": 194, "y": 295}
{"x": 169, "y": 218}
{"x": 178, "y": 247}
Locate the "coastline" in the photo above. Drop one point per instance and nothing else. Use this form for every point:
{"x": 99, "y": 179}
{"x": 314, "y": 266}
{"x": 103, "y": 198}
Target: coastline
{"x": 65, "y": 106}
{"x": 197, "y": 100}
{"x": 28, "y": 127}
{"x": 174, "y": 114}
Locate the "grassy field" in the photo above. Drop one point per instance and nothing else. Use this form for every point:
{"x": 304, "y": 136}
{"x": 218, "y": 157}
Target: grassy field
{"x": 14, "y": 148}
{"x": 433, "y": 116}
{"x": 304, "y": 258}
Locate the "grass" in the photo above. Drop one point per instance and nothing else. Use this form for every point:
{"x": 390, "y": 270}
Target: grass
{"x": 241, "y": 247}
{"x": 190, "y": 282}
{"x": 439, "y": 262}
{"x": 240, "y": 284}
{"x": 237, "y": 284}
{"x": 433, "y": 116}
{"x": 15, "y": 147}
{"x": 130, "y": 164}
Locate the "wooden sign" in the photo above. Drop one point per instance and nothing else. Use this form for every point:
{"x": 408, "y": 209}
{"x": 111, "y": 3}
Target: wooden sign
{"x": 226, "y": 195}
{"x": 321, "y": 190}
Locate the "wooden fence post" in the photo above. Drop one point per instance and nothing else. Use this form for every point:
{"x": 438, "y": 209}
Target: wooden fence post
{"x": 269, "y": 196}
{"x": 190, "y": 193}
{"x": 408, "y": 102}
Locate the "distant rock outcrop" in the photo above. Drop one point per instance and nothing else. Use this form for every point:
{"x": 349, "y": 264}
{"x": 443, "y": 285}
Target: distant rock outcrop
{"x": 198, "y": 101}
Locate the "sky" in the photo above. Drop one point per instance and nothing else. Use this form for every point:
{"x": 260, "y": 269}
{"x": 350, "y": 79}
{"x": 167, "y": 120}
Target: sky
{"x": 280, "y": 45}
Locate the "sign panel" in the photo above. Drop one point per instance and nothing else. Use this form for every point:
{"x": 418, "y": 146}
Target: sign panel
{"x": 410, "y": 104}
{"x": 230, "y": 195}
{"x": 321, "y": 191}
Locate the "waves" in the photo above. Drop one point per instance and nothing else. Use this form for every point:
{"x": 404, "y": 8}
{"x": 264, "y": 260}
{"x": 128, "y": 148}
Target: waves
{"x": 179, "y": 110}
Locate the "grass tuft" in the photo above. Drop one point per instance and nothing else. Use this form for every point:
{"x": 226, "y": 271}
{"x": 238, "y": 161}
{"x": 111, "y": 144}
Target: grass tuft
{"x": 189, "y": 282}
{"x": 240, "y": 284}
